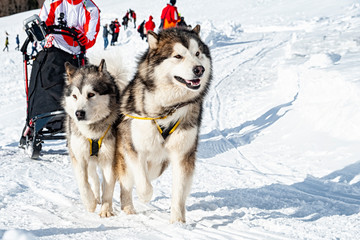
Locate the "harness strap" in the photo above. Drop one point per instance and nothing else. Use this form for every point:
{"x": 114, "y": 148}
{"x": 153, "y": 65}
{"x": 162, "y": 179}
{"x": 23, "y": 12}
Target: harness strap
{"x": 165, "y": 132}
{"x": 95, "y": 144}
{"x": 145, "y": 118}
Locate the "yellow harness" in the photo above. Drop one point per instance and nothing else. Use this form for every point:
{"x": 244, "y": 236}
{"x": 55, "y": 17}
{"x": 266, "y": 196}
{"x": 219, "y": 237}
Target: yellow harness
{"x": 165, "y": 132}
{"x": 95, "y": 144}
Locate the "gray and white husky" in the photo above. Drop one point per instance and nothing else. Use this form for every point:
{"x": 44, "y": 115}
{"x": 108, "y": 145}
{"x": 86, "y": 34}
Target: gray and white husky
{"x": 162, "y": 107}
{"x": 91, "y": 98}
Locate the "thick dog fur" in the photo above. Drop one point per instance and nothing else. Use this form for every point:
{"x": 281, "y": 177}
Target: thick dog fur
{"x": 91, "y": 100}
{"x": 171, "y": 81}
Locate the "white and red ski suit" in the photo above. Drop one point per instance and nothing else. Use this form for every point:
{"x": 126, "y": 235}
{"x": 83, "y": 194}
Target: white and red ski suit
{"x": 83, "y": 15}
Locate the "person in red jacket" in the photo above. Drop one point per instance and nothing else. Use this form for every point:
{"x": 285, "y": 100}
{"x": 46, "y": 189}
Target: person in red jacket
{"x": 116, "y": 32}
{"x": 149, "y": 25}
{"x": 169, "y": 16}
{"x": 133, "y": 15}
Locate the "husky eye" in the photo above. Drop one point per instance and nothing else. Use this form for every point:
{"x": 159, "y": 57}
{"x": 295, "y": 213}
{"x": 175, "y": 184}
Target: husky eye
{"x": 197, "y": 53}
{"x": 178, "y": 56}
{"x": 90, "y": 95}
{"x": 74, "y": 96}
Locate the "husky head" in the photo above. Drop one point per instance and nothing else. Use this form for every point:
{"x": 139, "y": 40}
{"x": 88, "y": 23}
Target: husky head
{"x": 90, "y": 93}
{"x": 180, "y": 61}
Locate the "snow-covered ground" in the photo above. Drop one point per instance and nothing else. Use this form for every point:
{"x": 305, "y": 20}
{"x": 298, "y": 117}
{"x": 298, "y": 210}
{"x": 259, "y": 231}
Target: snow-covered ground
{"x": 279, "y": 155}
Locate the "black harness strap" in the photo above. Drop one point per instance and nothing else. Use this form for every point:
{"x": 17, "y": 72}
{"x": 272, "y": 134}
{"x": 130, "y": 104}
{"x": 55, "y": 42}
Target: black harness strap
{"x": 165, "y": 132}
{"x": 95, "y": 144}
{"x": 94, "y": 147}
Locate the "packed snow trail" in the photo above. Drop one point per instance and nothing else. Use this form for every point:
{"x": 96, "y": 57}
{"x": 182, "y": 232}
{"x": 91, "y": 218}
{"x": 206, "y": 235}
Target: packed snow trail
{"x": 278, "y": 154}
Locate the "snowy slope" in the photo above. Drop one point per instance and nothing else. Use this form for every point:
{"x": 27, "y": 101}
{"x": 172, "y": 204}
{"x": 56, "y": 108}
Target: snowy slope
{"x": 279, "y": 154}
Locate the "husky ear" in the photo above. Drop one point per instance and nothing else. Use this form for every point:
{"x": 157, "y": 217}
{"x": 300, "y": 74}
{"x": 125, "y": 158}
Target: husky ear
{"x": 152, "y": 39}
{"x": 70, "y": 69}
{"x": 102, "y": 66}
{"x": 197, "y": 29}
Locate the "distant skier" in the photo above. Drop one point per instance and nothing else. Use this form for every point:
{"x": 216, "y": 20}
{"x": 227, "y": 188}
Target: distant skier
{"x": 149, "y": 25}
{"x": 169, "y": 16}
{"x": 17, "y": 40}
{"x": 105, "y": 36}
{"x": 141, "y": 30}
{"x": 112, "y": 29}
{"x": 34, "y": 49}
{"x": 116, "y": 30}
{"x": 125, "y": 20}
{"x": 6, "y": 44}
{"x": 182, "y": 23}
{"x": 133, "y": 15}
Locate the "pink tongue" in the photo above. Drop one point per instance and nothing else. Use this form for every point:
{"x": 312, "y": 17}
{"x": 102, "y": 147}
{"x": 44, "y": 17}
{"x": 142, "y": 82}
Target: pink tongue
{"x": 193, "y": 82}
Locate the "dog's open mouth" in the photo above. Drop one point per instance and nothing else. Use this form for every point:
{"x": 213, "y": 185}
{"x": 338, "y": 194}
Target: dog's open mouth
{"x": 192, "y": 84}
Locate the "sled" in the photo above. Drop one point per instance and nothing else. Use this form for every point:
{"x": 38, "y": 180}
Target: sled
{"x": 47, "y": 125}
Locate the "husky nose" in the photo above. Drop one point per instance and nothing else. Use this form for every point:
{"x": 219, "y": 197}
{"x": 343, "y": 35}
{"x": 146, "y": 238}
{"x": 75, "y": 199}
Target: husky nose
{"x": 80, "y": 114}
{"x": 198, "y": 71}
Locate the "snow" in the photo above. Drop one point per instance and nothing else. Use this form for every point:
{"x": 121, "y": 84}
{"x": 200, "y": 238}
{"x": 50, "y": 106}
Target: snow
{"x": 279, "y": 154}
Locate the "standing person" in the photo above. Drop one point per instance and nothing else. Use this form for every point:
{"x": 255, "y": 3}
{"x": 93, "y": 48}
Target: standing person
{"x": 125, "y": 21}
{"x": 129, "y": 14}
{"x": 141, "y": 30}
{"x": 112, "y": 29}
{"x": 46, "y": 89}
{"x": 116, "y": 31}
{"x": 17, "y": 42}
{"x": 133, "y": 15}
{"x": 6, "y": 44}
{"x": 169, "y": 16}
{"x": 42, "y": 44}
{"x": 149, "y": 25}
{"x": 182, "y": 23}
{"x": 34, "y": 49}
{"x": 105, "y": 36}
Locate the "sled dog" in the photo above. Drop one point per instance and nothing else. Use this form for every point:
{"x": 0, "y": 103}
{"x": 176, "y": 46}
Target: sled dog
{"x": 91, "y": 99}
{"x": 162, "y": 107}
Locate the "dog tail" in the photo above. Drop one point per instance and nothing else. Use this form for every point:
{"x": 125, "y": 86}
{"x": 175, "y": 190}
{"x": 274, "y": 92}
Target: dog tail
{"x": 114, "y": 64}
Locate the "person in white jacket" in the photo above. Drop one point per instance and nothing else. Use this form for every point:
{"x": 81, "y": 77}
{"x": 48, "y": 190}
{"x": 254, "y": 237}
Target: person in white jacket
{"x": 47, "y": 74}
{"x": 83, "y": 15}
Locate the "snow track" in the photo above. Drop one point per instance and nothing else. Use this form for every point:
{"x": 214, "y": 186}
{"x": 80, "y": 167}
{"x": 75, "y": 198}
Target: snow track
{"x": 279, "y": 150}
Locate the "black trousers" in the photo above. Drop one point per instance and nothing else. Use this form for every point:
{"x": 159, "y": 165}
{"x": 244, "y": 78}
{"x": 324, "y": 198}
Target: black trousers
{"x": 47, "y": 81}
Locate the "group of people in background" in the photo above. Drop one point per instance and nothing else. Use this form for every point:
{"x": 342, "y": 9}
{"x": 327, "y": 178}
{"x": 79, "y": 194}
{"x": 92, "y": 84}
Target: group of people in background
{"x": 114, "y": 28}
{"x": 144, "y": 27}
{"x": 17, "y": 40}
{"x": 170, "y": 17}
{"x": 34, "y": 47}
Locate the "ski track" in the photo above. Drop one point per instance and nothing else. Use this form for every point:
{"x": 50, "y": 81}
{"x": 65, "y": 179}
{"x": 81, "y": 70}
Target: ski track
{"x": 50, "y": 210}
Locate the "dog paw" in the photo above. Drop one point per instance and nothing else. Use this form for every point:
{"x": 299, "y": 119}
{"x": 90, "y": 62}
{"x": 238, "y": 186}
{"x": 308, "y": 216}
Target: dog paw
{"x": 177, "y": 220}
{"x": 177, "y": 217}
{"x": 106, "y": 211}
{"x": 145, "y": 194}
{"x": 129, "y": 210}
{"x": 90, "y": 204}
{"x": 106, "y": 214}
{"x": 90, "y": 207}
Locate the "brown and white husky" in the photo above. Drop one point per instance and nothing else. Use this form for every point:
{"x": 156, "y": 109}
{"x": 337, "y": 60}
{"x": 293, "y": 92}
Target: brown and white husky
{"x": 162, "y": 108}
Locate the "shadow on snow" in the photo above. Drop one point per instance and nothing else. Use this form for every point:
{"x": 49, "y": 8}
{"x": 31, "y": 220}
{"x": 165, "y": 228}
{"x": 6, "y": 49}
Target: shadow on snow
{"x": 220, "y": 141}
{"x": 309, "y": 200}
{"x": 64, "y": 231}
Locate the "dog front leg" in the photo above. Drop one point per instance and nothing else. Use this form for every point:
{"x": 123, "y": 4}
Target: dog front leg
{"x": 144, "y": 188}
{"x": 94, "y": 180}
{"x": 86, "y": 194}
{"x": 183, "y": 171}
{"x": 108, "y": 191}
{"x": 126, "y": 186}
